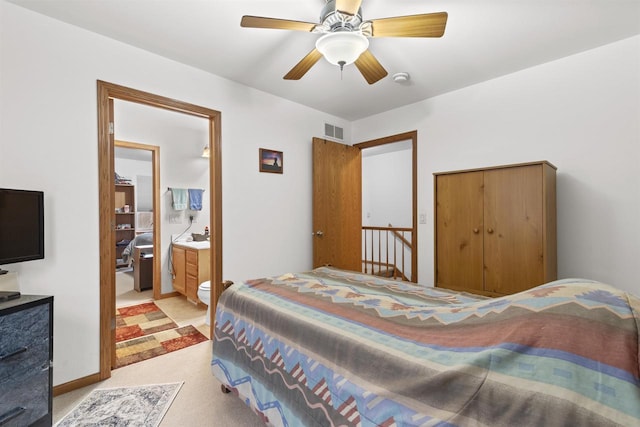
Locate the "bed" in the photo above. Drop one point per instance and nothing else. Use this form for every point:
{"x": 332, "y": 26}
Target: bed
{"x": 143, "y": 239}
{"x": 332, "y": 347}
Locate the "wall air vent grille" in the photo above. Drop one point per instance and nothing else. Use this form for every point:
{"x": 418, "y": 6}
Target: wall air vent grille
{"x": 333, "y": 131}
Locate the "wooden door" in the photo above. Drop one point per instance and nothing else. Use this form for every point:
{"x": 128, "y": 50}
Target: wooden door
{"x": 459, "y": 225}
{"x": 513, "y": 239}
{"x": 337, "y": 205}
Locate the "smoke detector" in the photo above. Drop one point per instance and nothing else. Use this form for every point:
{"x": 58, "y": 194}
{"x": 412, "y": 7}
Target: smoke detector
{"x": 401, "y": 77}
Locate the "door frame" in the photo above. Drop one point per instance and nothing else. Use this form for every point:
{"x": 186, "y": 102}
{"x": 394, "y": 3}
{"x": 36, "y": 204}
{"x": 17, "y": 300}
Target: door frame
{"x": 155, "y": 177}
{"x": 413, "y": 136}
{"x": 106, "y": 93}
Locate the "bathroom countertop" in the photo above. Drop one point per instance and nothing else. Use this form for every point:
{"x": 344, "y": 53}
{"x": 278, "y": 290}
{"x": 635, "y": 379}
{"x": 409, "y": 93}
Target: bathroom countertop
{"x": 192, "y": 245}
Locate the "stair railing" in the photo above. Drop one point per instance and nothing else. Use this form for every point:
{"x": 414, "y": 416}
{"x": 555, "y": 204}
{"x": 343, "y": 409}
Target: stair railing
{"x": 388, "y": 252}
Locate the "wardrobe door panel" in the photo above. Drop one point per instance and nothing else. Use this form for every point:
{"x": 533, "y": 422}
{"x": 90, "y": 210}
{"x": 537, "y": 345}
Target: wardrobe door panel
{"x": 459, "y": 225}
{"x": 513, "y": 229}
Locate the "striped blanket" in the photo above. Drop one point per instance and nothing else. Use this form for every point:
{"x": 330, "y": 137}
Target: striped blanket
{"x": 330, "y": 347}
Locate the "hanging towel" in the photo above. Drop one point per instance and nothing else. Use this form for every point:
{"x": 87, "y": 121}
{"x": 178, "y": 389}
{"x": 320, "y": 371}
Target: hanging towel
{"x": 195, "y": 199}
{"x": 179, "y": 198}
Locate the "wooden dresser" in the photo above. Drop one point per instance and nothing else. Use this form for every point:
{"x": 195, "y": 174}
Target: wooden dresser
{"x": 495, "y": 228}
{"x": 191, "y": 265}
{"x": 26, "y": 357}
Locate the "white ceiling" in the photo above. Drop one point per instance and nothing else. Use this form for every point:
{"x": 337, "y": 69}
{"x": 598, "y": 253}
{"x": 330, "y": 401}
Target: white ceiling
{"x": 483, "y": 40}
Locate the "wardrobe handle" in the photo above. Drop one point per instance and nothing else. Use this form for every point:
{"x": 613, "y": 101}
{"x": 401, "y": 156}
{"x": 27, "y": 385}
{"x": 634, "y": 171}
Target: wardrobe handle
{"x": 490, "y": 230}
{"x": 476, "y": 231}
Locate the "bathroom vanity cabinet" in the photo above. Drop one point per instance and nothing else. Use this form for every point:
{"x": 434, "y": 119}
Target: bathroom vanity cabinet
{"x": 191, "y": 266}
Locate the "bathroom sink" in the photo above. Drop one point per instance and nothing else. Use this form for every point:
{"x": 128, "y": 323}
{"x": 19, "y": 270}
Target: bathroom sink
{"x": 194, "y": 245}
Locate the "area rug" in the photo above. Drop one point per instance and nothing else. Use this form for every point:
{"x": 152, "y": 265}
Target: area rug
{"x": 141, "y": 406}
{"x": 146, "y": 347}
{"x": 140, "y": 320}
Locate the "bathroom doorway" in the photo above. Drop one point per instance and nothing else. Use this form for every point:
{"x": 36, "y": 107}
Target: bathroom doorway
{"x": 137, "y": 170}
{"x": 107, "y": 93}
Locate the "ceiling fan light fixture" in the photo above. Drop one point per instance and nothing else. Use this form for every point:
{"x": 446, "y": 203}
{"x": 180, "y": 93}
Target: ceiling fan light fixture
{"x": 342, "y": 48}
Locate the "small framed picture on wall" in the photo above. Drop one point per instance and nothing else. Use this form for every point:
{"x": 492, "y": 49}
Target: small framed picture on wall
{"x": 270, "y": 161}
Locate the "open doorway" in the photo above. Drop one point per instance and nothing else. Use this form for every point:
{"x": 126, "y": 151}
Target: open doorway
{"x": 339, "y": 236}
{"x": 107, "y": 93}
{"x": 137, "y": 207}
{"x": 389, "y": 206}
{"x": 144, "y": 322}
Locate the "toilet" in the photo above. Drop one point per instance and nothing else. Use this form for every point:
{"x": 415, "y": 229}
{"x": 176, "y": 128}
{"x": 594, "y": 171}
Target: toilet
{"x": 204, "y": 295}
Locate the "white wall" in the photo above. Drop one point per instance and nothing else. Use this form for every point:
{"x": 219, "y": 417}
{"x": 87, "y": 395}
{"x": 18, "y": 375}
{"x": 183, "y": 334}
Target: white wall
{"x": 582, "y": 113}
{"x": 48, "y": 141}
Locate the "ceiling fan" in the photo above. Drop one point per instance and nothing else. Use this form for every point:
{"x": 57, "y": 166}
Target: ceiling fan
{"x": 346, "y": 35}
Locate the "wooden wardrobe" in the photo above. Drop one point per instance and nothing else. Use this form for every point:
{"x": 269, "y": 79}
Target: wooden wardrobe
{"x": 495, "y": 228}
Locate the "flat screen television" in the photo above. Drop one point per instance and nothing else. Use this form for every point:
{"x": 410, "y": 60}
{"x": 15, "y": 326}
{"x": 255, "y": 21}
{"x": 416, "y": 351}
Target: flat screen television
{"x": 21, "y": 225}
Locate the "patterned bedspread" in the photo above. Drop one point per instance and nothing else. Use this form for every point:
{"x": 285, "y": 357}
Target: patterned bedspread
{"x": 330, "y": 347}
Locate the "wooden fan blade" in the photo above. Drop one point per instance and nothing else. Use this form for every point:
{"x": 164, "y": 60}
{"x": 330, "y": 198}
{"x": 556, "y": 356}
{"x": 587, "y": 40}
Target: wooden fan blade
{"x": 274, "y": 23}
{"x": 370, "y": 68}
{"x": 425, "y": 25}
{"x": 304, "y": 65}
{"x": 349, "y": 7}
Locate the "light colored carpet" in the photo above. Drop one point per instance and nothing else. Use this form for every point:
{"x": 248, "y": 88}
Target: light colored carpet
{"x": 200, "y": 402}
{"x": 139, "y": 406}
{"x": 125, "y": 293}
